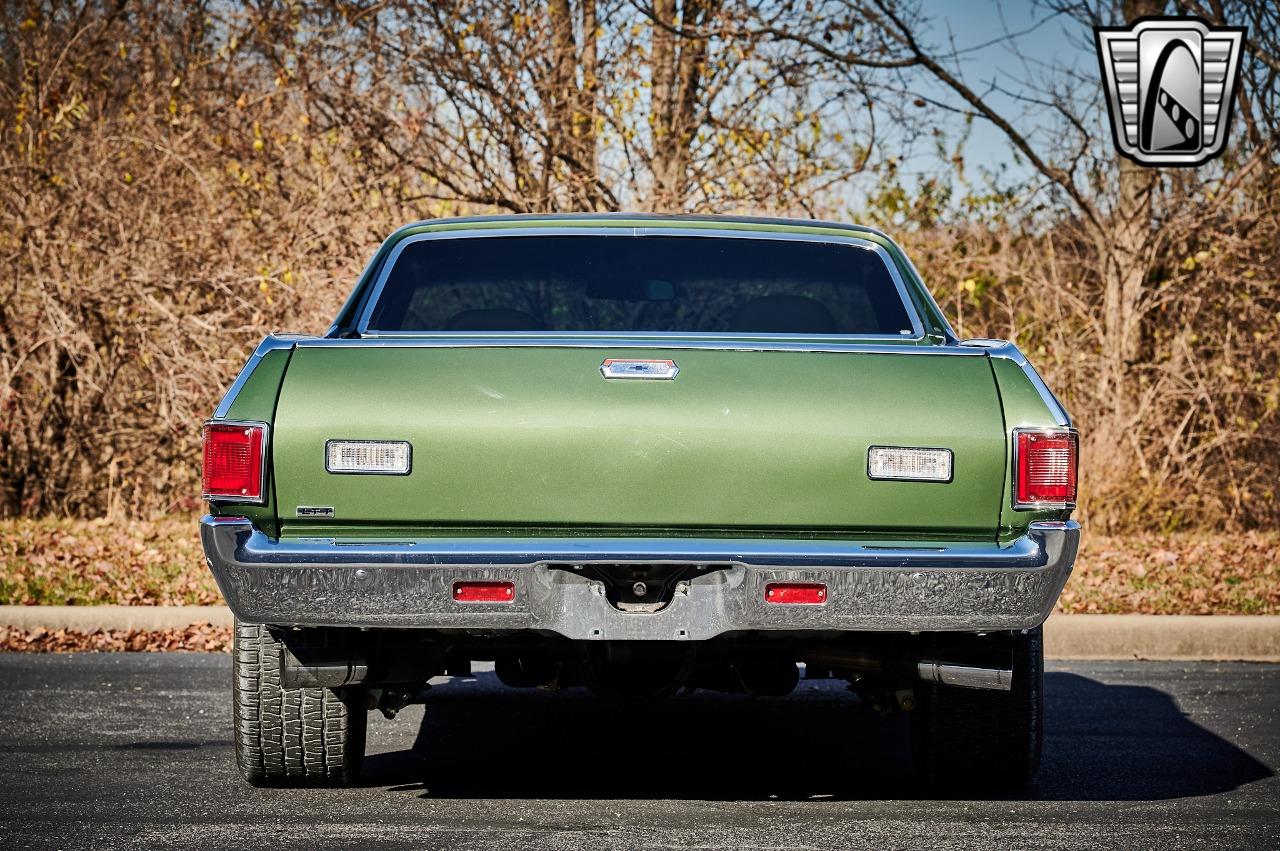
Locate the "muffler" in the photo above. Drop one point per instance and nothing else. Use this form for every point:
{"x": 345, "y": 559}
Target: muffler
{"x": 964, "y": 676}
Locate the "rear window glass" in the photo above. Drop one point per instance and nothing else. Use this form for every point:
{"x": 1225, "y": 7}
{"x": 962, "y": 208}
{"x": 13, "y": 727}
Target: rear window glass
{"x": 654, "y": 284}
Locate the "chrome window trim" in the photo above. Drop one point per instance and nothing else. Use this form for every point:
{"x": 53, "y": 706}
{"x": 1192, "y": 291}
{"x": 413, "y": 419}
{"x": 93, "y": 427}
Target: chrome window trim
{"x": 1039, "y": 505}
{"x": 216, "y": 499}
{"x": 908, "y": 305}
{"x": 948, "y": 332}
{"x": 355, "y": 292}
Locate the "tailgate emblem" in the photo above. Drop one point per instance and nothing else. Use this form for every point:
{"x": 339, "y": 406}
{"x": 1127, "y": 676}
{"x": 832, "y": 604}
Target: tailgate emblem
{"x": 633, "y": 368}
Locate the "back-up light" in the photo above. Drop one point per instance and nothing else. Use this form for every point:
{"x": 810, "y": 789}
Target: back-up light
{"x": 795, "y": 593}
{"x": 1045, "y": 468}
{"x": 484, "y": 592}
{"x": 909, "y": 463}
{"x": 371, "y": 457}
{"x": 234, "y": 460}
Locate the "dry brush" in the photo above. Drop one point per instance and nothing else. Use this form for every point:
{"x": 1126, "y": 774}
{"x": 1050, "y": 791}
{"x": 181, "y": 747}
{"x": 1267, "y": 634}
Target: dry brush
{"x": 179, "y": 178}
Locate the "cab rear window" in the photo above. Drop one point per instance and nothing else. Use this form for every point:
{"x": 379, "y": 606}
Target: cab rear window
{"x": 639, "y": 284}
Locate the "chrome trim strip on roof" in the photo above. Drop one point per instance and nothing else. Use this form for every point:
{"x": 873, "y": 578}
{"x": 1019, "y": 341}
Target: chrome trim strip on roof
{"x": 656, "y": 217}
{"x": 917, "y": 324}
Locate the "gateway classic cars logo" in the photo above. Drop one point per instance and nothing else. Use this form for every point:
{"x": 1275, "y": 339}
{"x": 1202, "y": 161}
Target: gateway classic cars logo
{"x": 1170, "y": 84}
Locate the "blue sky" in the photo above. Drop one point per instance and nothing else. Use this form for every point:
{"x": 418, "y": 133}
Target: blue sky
{"x": 1042, "y": 38}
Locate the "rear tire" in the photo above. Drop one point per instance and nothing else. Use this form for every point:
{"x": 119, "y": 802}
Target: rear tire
{"x": 291, "y": 737}
{"x": 964, "y": 737}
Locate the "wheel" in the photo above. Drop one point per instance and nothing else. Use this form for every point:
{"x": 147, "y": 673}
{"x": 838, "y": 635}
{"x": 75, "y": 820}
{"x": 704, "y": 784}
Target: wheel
{"x": 294, "y": 736}
{"x": 964, "y": 737}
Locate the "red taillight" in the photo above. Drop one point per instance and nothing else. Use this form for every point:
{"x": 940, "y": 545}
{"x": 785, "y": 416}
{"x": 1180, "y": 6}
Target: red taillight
{"x": 793, "y": 593}
{"x": 233, "y": 461}
{"x": 484, "y": 592}
{"x": 1045, "y": 468}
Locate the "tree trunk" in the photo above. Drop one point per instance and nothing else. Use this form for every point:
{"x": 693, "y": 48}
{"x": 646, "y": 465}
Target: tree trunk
{"x": 1124, "y": 249}
{"x": 572, "y": 151}
{"x": 678, "y": 68}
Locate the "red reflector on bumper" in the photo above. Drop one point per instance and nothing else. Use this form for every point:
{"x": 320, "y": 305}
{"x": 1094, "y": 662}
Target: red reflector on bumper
{"x": 803, "y": 593}
{"x": 484, "y": 592}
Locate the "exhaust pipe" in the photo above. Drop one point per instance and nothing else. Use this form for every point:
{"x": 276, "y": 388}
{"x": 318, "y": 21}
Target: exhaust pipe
{"x": 317, "y": 667}
{"x": 964, "y": 676}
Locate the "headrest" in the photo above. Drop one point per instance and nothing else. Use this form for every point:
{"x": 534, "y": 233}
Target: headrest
{"x": 784, "y": 314}
{"x": 494, "y": 320}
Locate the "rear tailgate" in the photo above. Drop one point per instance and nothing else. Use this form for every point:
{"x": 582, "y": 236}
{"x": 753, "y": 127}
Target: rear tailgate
{"x": 536, "y": 436}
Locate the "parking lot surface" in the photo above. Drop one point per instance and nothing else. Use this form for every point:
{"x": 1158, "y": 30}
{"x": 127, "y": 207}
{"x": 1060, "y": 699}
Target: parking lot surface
{"x": 134, "y": 750}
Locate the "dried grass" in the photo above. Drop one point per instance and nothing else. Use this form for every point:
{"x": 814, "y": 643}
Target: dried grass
{"x": 66, "y": 562}
{"x": 179, "y": 179}
{"x": 199, "y": 638}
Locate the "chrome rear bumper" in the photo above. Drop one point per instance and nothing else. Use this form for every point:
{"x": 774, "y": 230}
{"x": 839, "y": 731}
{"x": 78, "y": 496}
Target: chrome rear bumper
{"x": 322, "y": 582}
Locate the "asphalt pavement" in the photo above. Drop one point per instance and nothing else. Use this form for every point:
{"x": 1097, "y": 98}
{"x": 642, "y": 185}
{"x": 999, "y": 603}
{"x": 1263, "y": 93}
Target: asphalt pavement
{"x": 134, "y": 750}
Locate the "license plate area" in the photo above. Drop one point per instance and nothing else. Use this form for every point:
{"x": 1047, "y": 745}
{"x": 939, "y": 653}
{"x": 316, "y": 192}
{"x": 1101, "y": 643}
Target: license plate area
{"x": 641, "y": 589}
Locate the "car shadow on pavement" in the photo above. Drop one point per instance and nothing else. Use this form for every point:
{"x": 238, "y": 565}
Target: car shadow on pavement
{"x": 481, "y": 740}
{"x": 1109, "y": 742}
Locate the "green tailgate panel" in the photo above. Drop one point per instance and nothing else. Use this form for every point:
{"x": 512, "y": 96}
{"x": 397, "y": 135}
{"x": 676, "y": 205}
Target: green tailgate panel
{"x": 514, "y": 437}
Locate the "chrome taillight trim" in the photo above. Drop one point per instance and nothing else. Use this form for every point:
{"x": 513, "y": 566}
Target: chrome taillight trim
{"x": 261, "y": 499}
{"x": 1041, "y": 505}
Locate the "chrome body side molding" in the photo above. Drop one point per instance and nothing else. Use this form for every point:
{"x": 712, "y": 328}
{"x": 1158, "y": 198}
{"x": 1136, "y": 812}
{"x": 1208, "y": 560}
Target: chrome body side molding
{"x": 1008, "y": 351}
{"x": 270, "y": 343}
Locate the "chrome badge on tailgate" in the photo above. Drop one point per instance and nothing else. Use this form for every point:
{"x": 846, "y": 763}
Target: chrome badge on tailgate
{"x": 633, "y": 368}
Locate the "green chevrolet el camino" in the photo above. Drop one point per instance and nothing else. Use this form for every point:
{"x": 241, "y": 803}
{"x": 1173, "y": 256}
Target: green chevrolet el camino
{"x": 639, "y": 453}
